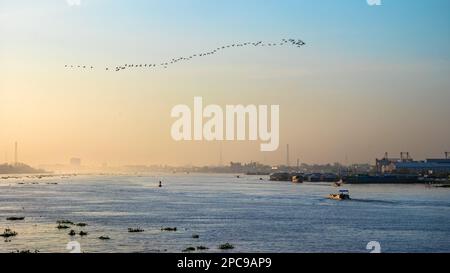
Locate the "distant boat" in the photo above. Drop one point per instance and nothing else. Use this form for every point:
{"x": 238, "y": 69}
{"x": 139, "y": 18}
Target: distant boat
{"x": 329, "y": 177}
{"x": 297, "y": 179}
{"x": 381, "y": 179}
{"x": 287, "y": 176}
{"x": 315, "y": 177}
{"x": 257, "y": 173}
{"x": 342, "y": 195}
{"x": 323, "y": 177}
{"x": 281, "y": 176}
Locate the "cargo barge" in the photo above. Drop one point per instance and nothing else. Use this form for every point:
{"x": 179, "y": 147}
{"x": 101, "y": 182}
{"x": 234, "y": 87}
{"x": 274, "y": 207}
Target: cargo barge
{"x": 382, "y": 179}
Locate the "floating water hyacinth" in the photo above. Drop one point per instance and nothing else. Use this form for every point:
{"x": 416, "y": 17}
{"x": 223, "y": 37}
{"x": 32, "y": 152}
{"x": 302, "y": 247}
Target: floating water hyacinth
{"x": 15, "y": 218}
{"x": 133, "y": 230}
{"x": 8, "y": 233}
{"x": 169, "y": 229}
{"x": 226, "y": 246}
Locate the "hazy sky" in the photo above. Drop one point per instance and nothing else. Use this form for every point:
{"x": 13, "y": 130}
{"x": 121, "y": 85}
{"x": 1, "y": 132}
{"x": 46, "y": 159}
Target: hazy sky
{"x": 370, "y": 80}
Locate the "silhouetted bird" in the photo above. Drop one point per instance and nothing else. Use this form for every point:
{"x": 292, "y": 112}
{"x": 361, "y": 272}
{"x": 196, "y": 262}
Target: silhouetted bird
{"x": 293, "y": 42}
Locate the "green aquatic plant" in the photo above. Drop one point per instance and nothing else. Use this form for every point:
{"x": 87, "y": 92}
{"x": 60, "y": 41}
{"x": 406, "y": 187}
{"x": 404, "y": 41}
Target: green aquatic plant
{"x": 195, "y": 236}
{"x": 104, "y": 238}
{"x": 226, "y": 246}
{"x": 8, "y": 233}
{"x": 189, "y": 249}
{"x": 25, "y": 251}
{"x": 202, "y": 247}
{"x": 15, "y": 218}
{"x": 62, "y": 226}
{"x": 72, "y": 232}
{"x": 81, "y": 224}
{"x": 169, "y": 229}
{"x": 83, "y": 233}
{"x": 135, "y": 230}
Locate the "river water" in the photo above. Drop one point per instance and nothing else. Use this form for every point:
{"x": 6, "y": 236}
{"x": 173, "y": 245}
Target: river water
{"x": 251, "y": 214}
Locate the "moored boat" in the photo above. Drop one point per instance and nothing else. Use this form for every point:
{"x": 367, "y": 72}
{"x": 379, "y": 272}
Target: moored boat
{"x": 297, "y": 179}
{"x": 381, "y": 179}
{"x": 281, "y": 176}
{"x": 287, "y": 176}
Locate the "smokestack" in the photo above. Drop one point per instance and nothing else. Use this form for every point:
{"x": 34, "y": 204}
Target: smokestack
{"x": 15, "y": 153}
{"x": 287, "y": 155}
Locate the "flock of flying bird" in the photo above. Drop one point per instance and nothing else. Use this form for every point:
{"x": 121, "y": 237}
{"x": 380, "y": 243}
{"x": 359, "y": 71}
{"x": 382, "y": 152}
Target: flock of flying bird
{"x": 166, "y": 64}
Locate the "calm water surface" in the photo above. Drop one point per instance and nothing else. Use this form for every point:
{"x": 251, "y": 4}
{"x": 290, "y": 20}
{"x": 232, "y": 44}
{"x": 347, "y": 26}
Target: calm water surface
{"x": 253, "y": 215}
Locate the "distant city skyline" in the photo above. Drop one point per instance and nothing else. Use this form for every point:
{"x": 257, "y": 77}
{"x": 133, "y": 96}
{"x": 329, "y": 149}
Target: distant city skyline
{"x": 370, "y": 80}
{"x": 77, "y": 162}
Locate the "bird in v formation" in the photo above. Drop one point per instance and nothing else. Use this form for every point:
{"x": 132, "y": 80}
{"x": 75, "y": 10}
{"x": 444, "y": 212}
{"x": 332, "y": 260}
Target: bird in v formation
{"x": 291, "y": 42}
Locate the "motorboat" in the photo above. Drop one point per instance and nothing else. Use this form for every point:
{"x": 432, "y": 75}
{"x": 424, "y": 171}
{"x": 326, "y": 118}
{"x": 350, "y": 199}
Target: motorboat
{"x": 342, "y": 195}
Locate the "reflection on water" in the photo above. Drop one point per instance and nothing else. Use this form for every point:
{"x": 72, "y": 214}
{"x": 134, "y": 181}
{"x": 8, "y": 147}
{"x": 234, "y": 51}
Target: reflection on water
{"x": 253, "y": 215}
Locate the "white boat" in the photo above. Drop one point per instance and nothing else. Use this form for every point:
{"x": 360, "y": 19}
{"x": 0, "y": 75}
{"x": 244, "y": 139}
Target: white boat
{"x": 342, "y": 195}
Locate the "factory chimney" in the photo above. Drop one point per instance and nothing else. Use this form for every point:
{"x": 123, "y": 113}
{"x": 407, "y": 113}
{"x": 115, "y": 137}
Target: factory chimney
{"x": 15, "y": 154}
{"x": 287, "y": 155}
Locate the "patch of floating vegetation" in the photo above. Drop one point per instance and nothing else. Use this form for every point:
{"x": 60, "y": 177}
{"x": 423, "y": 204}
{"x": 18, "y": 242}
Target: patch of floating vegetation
{"x": 83, "y": 233}
{"x": 62, "y": 226}
{"x": 202, "y": 247}
{"x": 134, "y": 230}
{"x": 104, "y": 238}
{"x": 81, "y": 224}
{"x": 15, "y": 218}
{"x": 195, "y": 236}
{"x": 25, "y": 251}
{"x": 189, "y": 249}
{"x": 169, "y": 229}
{"x": 226, "y": 246}
{"x": 8, "y": 233}
{"x": 72, "y": 232}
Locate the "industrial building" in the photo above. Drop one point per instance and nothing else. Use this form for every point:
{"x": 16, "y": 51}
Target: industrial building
{"x": 406, "y": 165}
